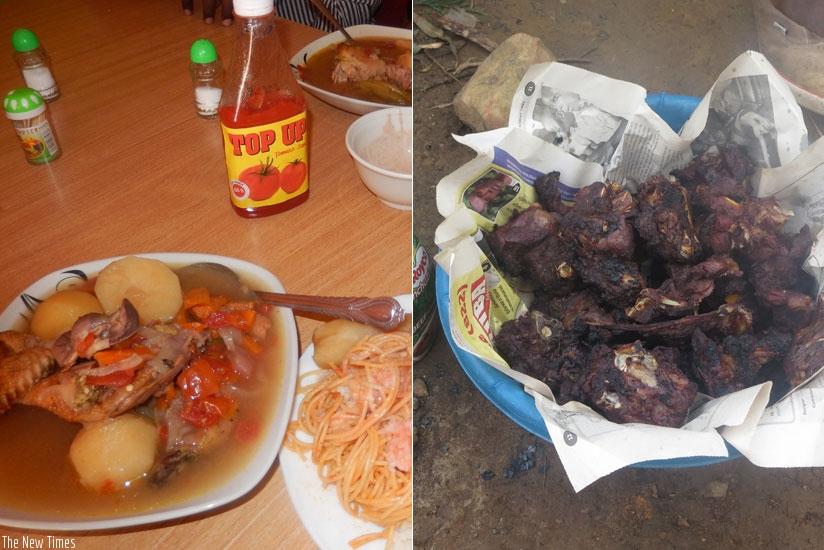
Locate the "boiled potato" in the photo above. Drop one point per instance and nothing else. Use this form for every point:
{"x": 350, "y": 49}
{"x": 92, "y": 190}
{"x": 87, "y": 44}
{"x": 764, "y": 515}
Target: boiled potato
{"x": 333, "y": 339}
{"x": 57, "y": 313}
{"x": 150, "y": 285}
{"x": 108, "y": 455}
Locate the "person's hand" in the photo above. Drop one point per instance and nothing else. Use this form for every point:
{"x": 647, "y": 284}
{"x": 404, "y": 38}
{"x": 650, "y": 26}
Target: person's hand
{"x": 209, "y": 10}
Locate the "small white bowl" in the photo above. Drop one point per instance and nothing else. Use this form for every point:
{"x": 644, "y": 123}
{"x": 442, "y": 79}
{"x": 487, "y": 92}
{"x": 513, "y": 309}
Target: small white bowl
{"x": 381, "y": 144}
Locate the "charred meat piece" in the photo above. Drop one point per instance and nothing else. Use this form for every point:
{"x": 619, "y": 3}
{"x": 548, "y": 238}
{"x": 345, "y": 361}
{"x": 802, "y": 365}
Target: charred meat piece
{"x": 539, "y": 346}
{"x": 685, "y": 290}
{"x": 734, "y": 319}
{"x": 750, "y": 228}
{"x": 716, "y": 174}
{"x": 524, "y": 230}
{"x": 549, "y": 193}
{"x": 600, "y": 199}
{"x": 550, "y": 265}
{"x": 631, "y": 384}
{"x": 734, "y": 363}
{"x": 599, "y": 223}
{"x": 781, "y": 286}
{"x": 764, "y": 220}
{"x": 581, "y": 306}
{"x": 720, "y": 230}
{"x": 592, "y": 236}
{"x": 806, "y": 354}
{"x": 579, "y": 311}
{"x": 617, "y": 282}
{"x": 599, "y": 233}
{"x": 664, "y": 221}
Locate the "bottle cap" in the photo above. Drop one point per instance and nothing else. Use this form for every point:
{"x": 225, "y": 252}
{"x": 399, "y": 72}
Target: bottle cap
{"x": 23, "y": 103}
{"x": 203, "y": 51}
{"x": 253, "y": 8}
{"x": 23, "y": 40}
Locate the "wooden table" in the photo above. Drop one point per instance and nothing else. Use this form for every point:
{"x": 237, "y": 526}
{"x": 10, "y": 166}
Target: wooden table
{"x": 140, "y": 173}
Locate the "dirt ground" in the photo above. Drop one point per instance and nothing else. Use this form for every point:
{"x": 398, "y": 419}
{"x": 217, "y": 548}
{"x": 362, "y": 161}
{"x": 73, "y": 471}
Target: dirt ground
{"x": 480, "y": 479}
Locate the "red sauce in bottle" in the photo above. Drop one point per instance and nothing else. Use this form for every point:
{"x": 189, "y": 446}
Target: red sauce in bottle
{"x": 263, "y": 119}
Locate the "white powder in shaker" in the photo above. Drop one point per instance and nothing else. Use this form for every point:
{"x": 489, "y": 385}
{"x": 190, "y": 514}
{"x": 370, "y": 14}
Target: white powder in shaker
{"x": 207, "y": 99}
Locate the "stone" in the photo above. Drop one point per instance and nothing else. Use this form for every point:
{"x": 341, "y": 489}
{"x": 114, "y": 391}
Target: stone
{"x": 484, "y": 101}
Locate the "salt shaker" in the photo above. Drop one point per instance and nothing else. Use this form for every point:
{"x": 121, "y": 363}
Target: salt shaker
{"x": 34, "y": 64}
{"x": 207, "y": 77}
{"x": 27, "y": 111}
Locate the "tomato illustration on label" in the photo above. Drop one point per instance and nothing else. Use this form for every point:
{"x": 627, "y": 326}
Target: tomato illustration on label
{"x": 292, "y": 176}
{"x": 262, "y": 180}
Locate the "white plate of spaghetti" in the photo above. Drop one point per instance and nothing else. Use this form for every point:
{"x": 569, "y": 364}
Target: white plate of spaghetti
{"x": 320, "y": 508}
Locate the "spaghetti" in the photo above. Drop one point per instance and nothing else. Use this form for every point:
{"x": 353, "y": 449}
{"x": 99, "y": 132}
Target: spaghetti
{"x": 359, "y": 418}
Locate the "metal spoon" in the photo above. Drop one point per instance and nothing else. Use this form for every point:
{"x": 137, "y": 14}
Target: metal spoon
{"x": 332, "y": 19}
{"x": 381, "y": 312}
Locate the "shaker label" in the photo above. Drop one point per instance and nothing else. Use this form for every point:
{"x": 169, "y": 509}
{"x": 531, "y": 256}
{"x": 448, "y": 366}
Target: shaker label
{"x": 267, "y": 164}
{"x": 38, "y": 142}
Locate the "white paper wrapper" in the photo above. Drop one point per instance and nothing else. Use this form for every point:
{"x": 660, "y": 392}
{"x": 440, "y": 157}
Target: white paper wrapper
{"x": 592, "y": 128}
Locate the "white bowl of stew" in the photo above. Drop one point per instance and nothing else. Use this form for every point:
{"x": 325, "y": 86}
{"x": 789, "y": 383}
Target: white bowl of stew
{"x": 52, "y": 501}
{"x": 315, "y": 77}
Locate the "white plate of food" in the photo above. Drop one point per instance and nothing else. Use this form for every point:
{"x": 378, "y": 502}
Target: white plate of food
{"x": 65, "y": 487}
{"x": 381, "y": 77}
{"x": 322, "y": 513}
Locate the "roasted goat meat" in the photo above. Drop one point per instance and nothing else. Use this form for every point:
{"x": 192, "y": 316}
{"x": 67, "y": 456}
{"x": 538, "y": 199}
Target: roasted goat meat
{"x": 525, "y": 230}
{"x": 693, "y": 268}
{"x": 549, "y": 264}
{"x": 581, "y": 305}
{"x": 712, "y": 175}
{"x": 599, "y": 222}
{"x": 664, "y": 221}
{"x": 806, "y": 354}
{"x": 631, "y": 384}
{"x": 540, "y": 346}
{"x": 600, "y": 234}
{"x": 735, "y": 319}
{"x": 547, "y": 187}
{"x": 618, "y": 282}
{"x": 781, "y": 285}
{"x": 685, "y": 290}
{"x": 734, "y": 363}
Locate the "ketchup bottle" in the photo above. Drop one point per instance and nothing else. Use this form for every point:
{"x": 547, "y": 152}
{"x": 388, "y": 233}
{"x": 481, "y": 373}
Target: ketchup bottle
{"x": 263, "y": 118}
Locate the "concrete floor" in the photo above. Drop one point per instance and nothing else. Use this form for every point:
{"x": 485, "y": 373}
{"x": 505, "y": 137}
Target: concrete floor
{"x": 480, "y": 479}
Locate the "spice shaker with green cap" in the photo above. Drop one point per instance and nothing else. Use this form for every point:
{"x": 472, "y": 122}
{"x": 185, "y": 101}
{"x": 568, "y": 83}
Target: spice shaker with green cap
{"x": 27, "y": 111}
{"x": 34, "y": 64}
{"x": 207, "y": 77}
